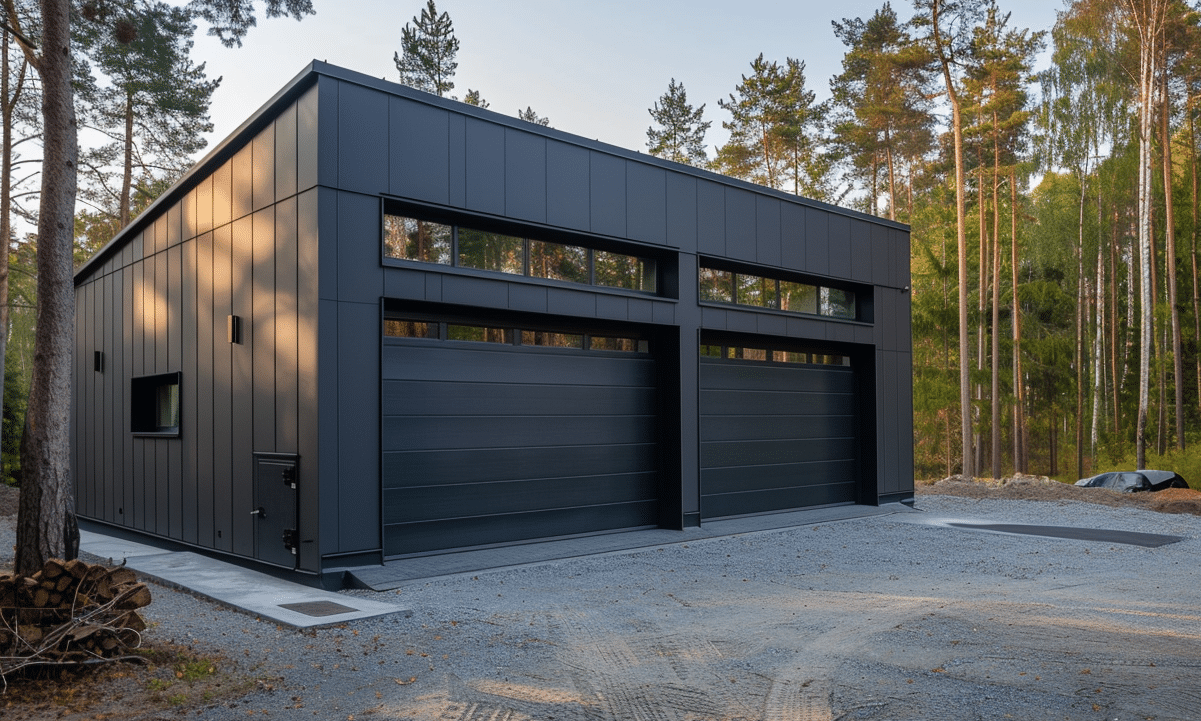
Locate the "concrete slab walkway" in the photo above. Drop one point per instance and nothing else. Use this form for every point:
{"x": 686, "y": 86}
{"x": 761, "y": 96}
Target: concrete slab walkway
{"x": 246, "y": 590}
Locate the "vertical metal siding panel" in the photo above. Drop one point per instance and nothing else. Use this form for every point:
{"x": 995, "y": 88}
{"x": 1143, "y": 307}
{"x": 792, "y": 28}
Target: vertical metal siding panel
{"x": 187, "y": 212}
{"x": 840, "y": 246}
{"x": 681, "y": 212}
{"x": 485, "y": 167}
{"x": 607, "y": 194}
{"x": 262, "y": 333}
{"x": 740, "y": 224}
{"x": 710, "y": 218}
{"x": 418, "y": 161}
{"x": 767, "y": 231}
{"x": 208, "y": 342}
{"x": 242, "y": 385}
{"x": 262, "y": 171}
{"x": 173, "y": 447}
{"x": 882, "y": 460}
{"x": 360, "y": 275}
{"x": 646, "y": 203}
{"x": 144, "y": 319}
{"x": 285, "y": 153}
{"x": 174, "y": 217}
{"x": 888, "y": 299}
{"x": 457, "y": 160}
{"x": 905, "y": 417}
{"x": 87, "y": 482}
{"x": 326, "y": 219}
{"x": 114, "y": 369}
{"x": 567, "y": 186}
{"x": 242, "y": 178}
{"x": 307, "y": 378}
{"x": 223, "y": 487}
{"x": 157, "y": 483}
{"x": 204, "y": 208}
{"x": 286, "y": 347}
{"x": 307, "y": 139}
{"x": 130, "y": 348}
{"x": 358, "y": 426}
{"x": 363, "y": 139}
{"x": 861, "y": 251}
{"x": 189, "y": 395}
{"x": 525, "y": 176}
{"x": 78, "y": 349}
{"x": 223, "y": 201}
{"x": 817, "y": 241}
{"x": 881, "y": 271}
{"x": 327, "y": 134}
{"x": 328, "y": 436}
{"x": 792, "y": 236}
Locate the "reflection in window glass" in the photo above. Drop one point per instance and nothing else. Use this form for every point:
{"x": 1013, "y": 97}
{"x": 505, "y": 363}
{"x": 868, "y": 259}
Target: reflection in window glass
{"x": 412, "y": 239}
{"x": 410, "y": 329}
{"x": 551, "y": 340}
{"x": 476, "y": 333}
{"x": 711, "y": 351}
{"x": 167, "y": 407}
{"x": 717, "y": 285}
{"x": 756, "y": 354}
{"x": 787, "y": 356}
{"x": 798, "y": 297}
{"x": 627, "y": 345}
{"x": 753, "y": 290}
{"x": 559, "y": 262}
{"x": 624, "y": 271}
{"x": 837, "y": 303}
{"x": 491, "y": 251}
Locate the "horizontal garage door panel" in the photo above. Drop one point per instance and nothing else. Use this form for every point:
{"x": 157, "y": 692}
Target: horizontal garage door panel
{"x": 442, "y": 432}
{"x": 437, "y": 398}
{"x": 455, "y": 467}
{"x": 783, "y": 403}
{"x": 740, "y": 428}
{"x": 494, "y": 363}
{"x": 776, "y": 436}
{"x": 455, "y": 532}
{"x": 448, "y": 501}
{"x": 492, "y": 443}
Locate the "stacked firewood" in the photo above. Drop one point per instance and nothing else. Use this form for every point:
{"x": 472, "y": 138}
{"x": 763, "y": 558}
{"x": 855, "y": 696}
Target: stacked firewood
{"x": 69, "y": 612}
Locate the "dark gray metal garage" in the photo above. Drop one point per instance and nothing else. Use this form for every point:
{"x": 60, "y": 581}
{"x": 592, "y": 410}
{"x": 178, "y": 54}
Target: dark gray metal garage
{"x": 374, "y": 324}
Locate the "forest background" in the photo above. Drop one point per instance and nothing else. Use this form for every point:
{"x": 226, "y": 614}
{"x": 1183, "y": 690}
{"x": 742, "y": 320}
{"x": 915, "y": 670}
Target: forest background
{"x": 1055, "y": 289}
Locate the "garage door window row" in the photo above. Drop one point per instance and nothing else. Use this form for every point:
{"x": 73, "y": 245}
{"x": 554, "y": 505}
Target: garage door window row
{"x": 768, "y": 355}
{"x": 449, "y": 331}
{"x": 407, "y": 238}
{"x": 724, "y": 286}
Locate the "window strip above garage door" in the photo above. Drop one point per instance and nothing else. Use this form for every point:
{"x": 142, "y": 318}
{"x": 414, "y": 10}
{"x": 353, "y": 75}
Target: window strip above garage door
{"x": 451, "y": 331}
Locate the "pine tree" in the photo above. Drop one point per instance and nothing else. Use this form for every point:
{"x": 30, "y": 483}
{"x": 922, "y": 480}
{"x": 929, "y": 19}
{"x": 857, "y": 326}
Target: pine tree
{"x": 429, "y": 47}
{"x": 530, "y": 116}
{"x": 473, "y": 98}
{"x": 753, "y": 152}
{"x": 681, "y": 137}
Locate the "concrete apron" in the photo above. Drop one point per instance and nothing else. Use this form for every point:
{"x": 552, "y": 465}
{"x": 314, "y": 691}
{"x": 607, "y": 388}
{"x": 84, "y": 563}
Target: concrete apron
{"x": 242, "y": 589}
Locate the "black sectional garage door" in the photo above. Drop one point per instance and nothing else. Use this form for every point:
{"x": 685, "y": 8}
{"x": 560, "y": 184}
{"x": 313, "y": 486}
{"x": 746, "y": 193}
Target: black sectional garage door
{"x": 500, "y": 442}
{"x": 778, "y": 431}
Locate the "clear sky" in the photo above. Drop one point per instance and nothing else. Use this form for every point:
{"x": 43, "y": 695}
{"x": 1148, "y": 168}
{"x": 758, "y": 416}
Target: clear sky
{"x": 593, "y": 67}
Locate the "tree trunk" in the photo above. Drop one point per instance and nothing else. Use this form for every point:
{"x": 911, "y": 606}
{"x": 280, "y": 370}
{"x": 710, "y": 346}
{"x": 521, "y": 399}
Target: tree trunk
{"x": 1192, "y": 146}
{"x": 1148, "y": 34}
{"x": 1081, "y": 317}
{"x": 6, "y": 232}
{"x": 1113, "y": 329}
{"x": 965, "y": 396}
{"x": 892, "y": 180}
{"x": 981, "y": 314}
{"x": 1019, "y": 383}
{"x": 127, "y": 166}
{"x": 46, "y": 520}
{"x": 1170, "y": 250}
{"x": 995, "y": 400}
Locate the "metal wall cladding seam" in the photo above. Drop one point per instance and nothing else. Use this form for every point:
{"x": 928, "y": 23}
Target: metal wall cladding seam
{"x": 775, "y": 437}
{"x": 493, "y": 444}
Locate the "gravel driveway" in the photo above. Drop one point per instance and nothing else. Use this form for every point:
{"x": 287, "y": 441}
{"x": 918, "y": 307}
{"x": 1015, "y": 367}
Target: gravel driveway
{"x": 885, "y": 617}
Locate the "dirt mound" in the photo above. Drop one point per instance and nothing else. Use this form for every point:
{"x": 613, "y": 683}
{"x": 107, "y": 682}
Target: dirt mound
{"x": 1041, "y": 488}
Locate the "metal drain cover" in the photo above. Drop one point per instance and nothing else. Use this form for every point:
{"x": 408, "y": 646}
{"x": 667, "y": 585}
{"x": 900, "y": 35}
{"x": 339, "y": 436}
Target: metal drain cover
{"x": 318, "y": 608}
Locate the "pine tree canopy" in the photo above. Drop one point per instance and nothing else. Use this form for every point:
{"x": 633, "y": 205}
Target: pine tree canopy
{"x": 428, "y": 48}
{"x": 681, "y": 133}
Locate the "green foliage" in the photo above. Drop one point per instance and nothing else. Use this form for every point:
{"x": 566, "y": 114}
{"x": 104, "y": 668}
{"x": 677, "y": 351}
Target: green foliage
{"x": 530, "y": 116}
{"x": 16, "y": 390}
{"x": 428, "y": 48}
{"x": 473, "y": 98}
{"x": 681, "y": 133}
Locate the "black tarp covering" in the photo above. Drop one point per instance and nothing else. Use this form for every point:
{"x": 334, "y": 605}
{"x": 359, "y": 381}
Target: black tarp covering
{"x": 1132, "y": 481}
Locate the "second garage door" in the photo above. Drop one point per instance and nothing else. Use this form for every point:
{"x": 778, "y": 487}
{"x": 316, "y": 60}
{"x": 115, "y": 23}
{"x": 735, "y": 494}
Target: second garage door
{"x": 495, "y": 434}
{"x": 778, "y": 430}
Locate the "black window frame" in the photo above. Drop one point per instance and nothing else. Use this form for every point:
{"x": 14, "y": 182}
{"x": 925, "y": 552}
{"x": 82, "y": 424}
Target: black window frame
{"x": 144, "y": 419}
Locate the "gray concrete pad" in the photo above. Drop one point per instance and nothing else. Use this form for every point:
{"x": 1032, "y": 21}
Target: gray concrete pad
{"x": 246, "y": 590}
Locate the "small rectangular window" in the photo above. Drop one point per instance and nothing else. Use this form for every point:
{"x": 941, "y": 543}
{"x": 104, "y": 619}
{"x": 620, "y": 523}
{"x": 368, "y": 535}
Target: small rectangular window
{"x": 787, "y": 356}
{"x": 755, "y": 354}
{"x": 491, "y": 251}
{"x": 711, "y": 351}
{"x": 559, "y": 262}
{"x": 616, "y": 270}
{"x": 476, "y": 333}
{"x": 717, "y": 285}
{"x": 412, "y": 239}
{"x": 551, "y": 340}
{"x": 798, "y": 297}
{"x": 154, "y": 405}
{"x": 626, "y": 345}
{"x": 837, "y": 303}
{"x": 410, "y": 329}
